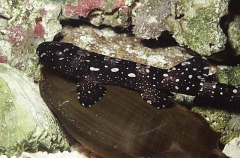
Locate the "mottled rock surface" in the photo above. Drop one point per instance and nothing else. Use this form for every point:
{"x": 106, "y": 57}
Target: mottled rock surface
{"x": 234, "y": 34}
{"x": 26, "y": 122}
{"x": 194, "y": 24}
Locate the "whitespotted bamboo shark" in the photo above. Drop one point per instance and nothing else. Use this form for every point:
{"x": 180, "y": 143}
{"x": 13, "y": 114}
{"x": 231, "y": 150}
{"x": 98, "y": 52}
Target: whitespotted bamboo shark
{"x": 155, "y": 85}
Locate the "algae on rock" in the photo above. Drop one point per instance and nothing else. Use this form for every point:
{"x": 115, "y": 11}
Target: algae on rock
{"x": 234, "y": 34}
{"x": 24, "y": 24}
{"x": 196, "y": 24}
{"x": 149, "y": 18}
{"x": 229, "y": 75}
{"x": 26, "y": 122}
{"x": 219, "y": 122}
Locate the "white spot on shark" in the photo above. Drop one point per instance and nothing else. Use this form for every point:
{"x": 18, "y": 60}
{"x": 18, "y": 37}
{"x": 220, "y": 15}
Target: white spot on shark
{"x": 235, "y": 91}
{"x": 165, "y": 75}
{"x": 115, "y": 69}
{"x": 94, "y": 69}
{"x": 131, "y": 75}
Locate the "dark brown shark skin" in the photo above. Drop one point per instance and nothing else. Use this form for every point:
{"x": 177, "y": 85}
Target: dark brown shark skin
{"x": 92, "y": 70}
{"x": 123, "y": 125}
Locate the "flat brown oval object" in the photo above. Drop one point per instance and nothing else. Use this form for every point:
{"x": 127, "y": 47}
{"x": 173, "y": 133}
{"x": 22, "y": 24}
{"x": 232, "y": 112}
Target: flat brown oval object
{"x": 122, "y": 125}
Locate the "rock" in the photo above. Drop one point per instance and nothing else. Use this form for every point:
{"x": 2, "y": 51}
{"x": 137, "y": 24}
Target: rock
{"x": 196, "y": 24}
{"x": 26, "y": 122}
{"x": 232, "y": 149}
{"x": 234, "y": 35}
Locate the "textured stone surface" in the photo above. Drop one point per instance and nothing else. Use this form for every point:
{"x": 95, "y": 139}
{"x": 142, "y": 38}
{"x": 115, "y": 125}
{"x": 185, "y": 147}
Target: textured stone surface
{"x": 196, "y": 24}
{"x": 24, "y": 26}
{"x": 26, "y": 122}
{"x": 149, "y": 18}
{"x": 234, "y": 34}
{"x": 232, "y": 148}
{"x": 101, "y": 12}
{"x": 122, "y": 45}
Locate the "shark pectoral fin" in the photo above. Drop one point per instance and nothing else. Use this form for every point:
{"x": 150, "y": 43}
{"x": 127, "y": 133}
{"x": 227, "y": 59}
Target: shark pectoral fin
{"x": 89, "y": 93}
{"x": 194, "y": 68}
{"x": 157, "y": 98}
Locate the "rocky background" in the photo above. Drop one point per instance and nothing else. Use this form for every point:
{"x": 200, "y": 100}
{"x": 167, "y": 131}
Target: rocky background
{"x": 161, "y": 33}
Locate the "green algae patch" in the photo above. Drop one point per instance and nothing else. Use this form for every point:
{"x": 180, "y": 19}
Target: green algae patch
{"x": 230, "y": 75}
{"x": 203, "y": 34}
{"x": 234, "y": 34}
{"x": 219, "y": 121}
{"x": 26, "y": 123}
{"x": 197, "y": 25}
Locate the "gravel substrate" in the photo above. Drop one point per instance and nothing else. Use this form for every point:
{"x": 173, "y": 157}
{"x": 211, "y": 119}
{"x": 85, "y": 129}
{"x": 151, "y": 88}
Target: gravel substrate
{"x": 76, "y": 151}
